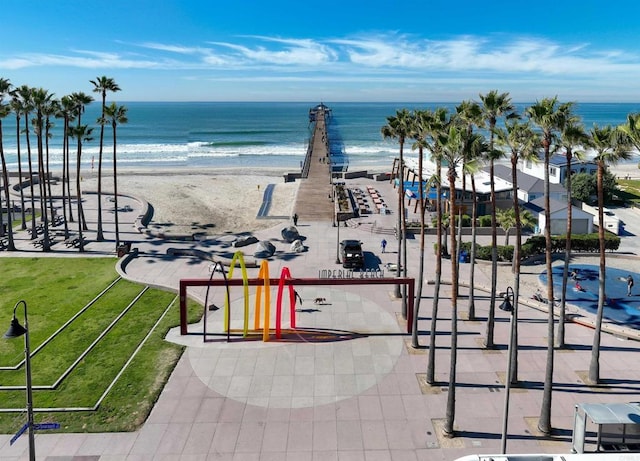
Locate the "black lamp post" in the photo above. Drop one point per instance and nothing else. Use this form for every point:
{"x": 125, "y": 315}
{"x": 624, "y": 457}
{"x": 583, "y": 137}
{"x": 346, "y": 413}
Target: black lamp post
{"x": 16, "y": 330}
{"x": 507, "y": 306}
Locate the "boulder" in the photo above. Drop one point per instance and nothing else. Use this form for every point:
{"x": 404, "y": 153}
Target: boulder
{"x": 290, "y": 234}
{"x": 265, "y": 249}
{"x": 297, "y": 246}
{"x": 244, "y": 241}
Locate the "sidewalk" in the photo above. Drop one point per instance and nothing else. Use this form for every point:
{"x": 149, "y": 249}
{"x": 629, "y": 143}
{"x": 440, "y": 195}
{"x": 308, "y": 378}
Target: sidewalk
{"x": 350, "y": 387}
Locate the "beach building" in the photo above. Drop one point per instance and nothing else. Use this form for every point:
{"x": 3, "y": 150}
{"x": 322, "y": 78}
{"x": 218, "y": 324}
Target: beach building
{"x": 557, "y": 168}
{"x": 582, "y": 222}
{"x": 530, "y": 187}
{"x": 482, "y": 179}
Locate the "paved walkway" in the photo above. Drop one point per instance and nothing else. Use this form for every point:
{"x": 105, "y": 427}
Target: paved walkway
{"x": 349, "y": 386}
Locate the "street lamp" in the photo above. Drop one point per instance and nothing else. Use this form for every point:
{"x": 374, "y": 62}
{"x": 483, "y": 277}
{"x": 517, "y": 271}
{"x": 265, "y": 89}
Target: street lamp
{"x": 16, "y": 330}
{"x": 507, "y": 306}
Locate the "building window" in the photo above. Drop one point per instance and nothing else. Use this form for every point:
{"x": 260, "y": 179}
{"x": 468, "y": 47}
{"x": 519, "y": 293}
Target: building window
{"x": 553, "y": 171}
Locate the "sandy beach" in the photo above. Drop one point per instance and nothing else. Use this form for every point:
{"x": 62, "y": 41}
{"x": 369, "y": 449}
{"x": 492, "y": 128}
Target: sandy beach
{"x": 214, "y": 201}
{"x": 219, "y": 201}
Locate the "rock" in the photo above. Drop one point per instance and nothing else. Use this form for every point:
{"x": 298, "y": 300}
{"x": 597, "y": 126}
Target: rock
{"x": 244, "y": 241}
{"x": 290, "y": 234}
{"x": 265, "y": 249}
{"x": 297, "y": 246}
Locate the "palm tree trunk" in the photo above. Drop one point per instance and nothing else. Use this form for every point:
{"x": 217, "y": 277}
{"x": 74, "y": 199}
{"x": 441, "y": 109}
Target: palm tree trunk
{"x": 594, "y": 365}
{"x": 489, "y": 341}
{"x": 399, "y": 235}
{"x": 20, "y": 178}
{"x": 544, "y": 423}
{"x": 115, "y": 189}
{"x": 560, "y": 341}
{"x": 5, "y": 183}
{"x": 33, "y": 204}
{"x": 431, "y": 363}
{"x": 472, "y": 258}
{"x": 416, "y": 307}
{"x": 451, "y": 395}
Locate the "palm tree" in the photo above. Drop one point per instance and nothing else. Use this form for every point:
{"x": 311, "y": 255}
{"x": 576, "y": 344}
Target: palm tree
{"x": 398, "y": 127}
{"x": 17, "y": 107}
{"x": 437, "y": 125}
{"x": 453, "y": 153}
{"x": 48, "y": 111}
{"x": 102, "y": 85}
{"x": 571, "y": 134}
{"x": 118, "y": 116}
{"x": 521, "y": 141}
{"x": 65, "y": 112}
{"x": 611, "y": 146}
{"x": 546, "y": 116}
{"x": 24, "y": 93}
{"x": 470, "y": 114}
{"x": 82, "y": 133}
{"x": 5, "y": 109}
{"x": 494, "y": 105}
{"x": 79, "y": 102}
{"x": 41, "y": 98}
{"x": 632, "y": 130}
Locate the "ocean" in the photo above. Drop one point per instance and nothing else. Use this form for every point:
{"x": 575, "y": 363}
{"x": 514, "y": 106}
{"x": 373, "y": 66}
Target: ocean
{"x": 174, "y": 135}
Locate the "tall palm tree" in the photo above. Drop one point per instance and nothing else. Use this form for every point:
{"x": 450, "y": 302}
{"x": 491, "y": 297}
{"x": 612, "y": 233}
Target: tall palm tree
{"x": 17, "y": 107}
{"x": 25, "y": 94}
{"x": 117, "y": 115}
{"x": 65, "y": 112}
{"x": 79, "y": 101}
{"x": 572, "y": 134}
{"x": 470, "y": 114}
{"x": 522, "y": 142}
{"x": 102, "y": 85}
{"x": 437, "y": 124}
{"x": 48, "y": 111}
{"x": 5, "y": 109}
{"x": 494, "y": 105}
{"x": 611, "y": 146}
{"x": 41, "y": 98}
{"x": 453, "y": 154}
{"x": 398, "y": 127}
{"x": 546, "y": 116}
{"x": 82, "y": 133}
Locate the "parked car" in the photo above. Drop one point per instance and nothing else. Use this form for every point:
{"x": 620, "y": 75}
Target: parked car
{"x": 351, "y": 253}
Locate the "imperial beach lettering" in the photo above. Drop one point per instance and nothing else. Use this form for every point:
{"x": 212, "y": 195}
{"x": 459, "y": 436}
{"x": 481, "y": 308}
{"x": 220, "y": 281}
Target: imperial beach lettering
{"x": 350, "y": 274}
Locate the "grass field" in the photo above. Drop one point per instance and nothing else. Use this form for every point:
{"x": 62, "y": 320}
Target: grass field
{"x": 629, "y": 190}
{"x": 75, "y": 367}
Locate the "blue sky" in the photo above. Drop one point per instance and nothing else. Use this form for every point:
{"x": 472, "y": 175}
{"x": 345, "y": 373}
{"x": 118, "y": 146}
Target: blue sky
{"x": 281, "y": 50}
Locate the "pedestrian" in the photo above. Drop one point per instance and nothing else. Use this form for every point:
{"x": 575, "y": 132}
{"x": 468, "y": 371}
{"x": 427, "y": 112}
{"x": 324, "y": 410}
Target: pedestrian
{"x": 297, "y": 296}
{"x": 295, "y": 219}
{"x": 383, "y": 244}
{"x": 629, "y": 284}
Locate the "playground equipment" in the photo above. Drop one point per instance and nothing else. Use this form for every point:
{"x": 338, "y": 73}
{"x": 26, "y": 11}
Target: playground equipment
{"x": 264, "y": 283}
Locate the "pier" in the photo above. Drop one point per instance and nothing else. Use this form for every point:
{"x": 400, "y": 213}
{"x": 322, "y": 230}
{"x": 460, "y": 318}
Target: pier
{"x": 314, "y": 201}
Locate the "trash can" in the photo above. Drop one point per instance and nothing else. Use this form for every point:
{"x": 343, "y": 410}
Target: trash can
{"x": 464, "y": 257}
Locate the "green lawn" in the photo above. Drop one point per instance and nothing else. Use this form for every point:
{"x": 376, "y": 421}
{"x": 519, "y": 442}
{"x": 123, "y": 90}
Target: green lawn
{"x": 57, "y": 289}
{"x": 629, "y": 190}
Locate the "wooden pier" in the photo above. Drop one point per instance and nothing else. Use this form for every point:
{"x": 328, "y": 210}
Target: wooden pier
{"x": 314, "y": 199}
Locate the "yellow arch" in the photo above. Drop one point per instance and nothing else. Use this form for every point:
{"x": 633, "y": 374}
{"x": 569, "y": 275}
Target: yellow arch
{"x": 239, "y": 256}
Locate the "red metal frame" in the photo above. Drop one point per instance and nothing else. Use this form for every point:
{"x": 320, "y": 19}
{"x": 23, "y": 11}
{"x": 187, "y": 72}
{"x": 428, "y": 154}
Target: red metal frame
{"x": 184, "y": 283}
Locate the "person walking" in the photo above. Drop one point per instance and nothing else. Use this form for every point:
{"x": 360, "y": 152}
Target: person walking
{"x": 297, "y": 296}
{"x": 629, "y": 284}
{"x": 295, "y": 219}
{"x": 383, "y": 244}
